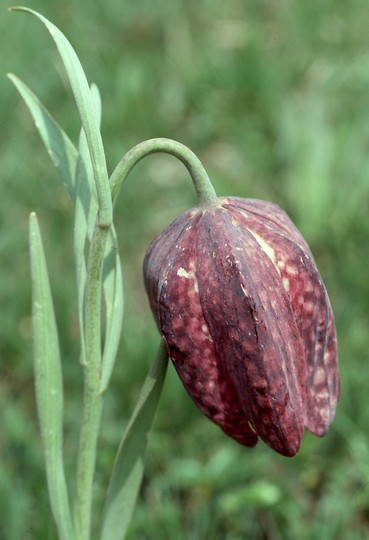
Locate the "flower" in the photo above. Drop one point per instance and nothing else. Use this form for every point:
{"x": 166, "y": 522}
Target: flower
{"x": 236, "y": 293}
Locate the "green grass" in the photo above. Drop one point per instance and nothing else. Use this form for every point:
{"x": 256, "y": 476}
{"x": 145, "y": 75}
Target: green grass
{"x": 273, "y": 97}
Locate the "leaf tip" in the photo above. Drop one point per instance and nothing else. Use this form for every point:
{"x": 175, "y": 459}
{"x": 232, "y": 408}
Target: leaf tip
{"x": 16, "y": 8}
{"x": 33, "y": 219}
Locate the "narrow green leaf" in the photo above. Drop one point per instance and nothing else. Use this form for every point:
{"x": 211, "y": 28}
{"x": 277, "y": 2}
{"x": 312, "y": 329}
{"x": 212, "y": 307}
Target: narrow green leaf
{"x": 128, "y": 468}
{"x": 82, "y": 96}
{"x": 58, "y": 145}
{"x": 112, "y": 281}
{"x": 82, "y": 211}
{"x": 76, "y": 170}
{"x": 114, "y": 303}
{"x": 86, "y": 200}
{"x": 85, "y": 215}
{"x": 49, "y": 386}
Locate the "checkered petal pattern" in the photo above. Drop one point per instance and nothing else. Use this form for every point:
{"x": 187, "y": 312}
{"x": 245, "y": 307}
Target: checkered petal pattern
{"x": 236, "y": 293}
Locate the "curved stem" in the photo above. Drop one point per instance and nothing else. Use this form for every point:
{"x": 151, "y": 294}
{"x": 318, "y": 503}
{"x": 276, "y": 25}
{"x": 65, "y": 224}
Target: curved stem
{"x": 92, "y": 397}
{"x": 204, "y": 189}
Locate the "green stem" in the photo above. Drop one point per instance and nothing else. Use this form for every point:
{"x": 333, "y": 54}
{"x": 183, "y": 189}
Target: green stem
{"x": 204, "y": 189}
{"x": 92, "y": 398}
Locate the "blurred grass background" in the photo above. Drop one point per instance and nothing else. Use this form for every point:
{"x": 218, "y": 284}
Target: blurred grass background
{"x": 273, "y": 97}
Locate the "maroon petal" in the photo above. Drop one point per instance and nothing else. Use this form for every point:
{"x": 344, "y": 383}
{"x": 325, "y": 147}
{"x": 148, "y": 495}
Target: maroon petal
{"x": 268, "y": 212}
{"x": 253, "y": 329}
{"x": 190, "y": 345}
{"x": 309, "y": 300}
{"x": 160, "y": 255}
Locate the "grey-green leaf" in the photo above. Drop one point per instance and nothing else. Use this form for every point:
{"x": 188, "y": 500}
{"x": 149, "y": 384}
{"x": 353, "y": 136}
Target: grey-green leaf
{"x": 128, "y": 468}
{"x": 90, "y": 121}
{"x": 85, "y": 215}
{"x": 58, "y": 145}
{"x": 49, "y": 386}
{"x": 114, "y": 304}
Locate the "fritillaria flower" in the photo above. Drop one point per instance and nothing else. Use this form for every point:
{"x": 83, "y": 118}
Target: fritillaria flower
{"x": 236, "y": 293}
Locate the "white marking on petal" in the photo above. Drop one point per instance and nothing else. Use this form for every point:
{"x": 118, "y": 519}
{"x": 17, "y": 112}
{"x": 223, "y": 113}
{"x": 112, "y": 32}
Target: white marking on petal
{"x": 319, "y": 376}
{"x": 265, "y": 246}
{"x": 292, "y": 270}
{"x": 324, "y": 414}
{"x": 323, "y": 395}
{"x": 181, "y": 272}
{"x": 286, "y": 284}
{"x": 244, "y": 290}
{"x": 309, "y": 287}
{"x": 251, "y": 427}
{"x": 309, "y": 306}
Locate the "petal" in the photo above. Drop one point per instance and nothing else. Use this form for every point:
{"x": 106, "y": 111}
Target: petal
{"x": 313, "y": 315}
{"x": 269, "y": 213}
{"x": 322, "y": 379}
{"x": 190, "y": 345}
{"x": 160, "y": 255}
{"x": 251, "y": 322}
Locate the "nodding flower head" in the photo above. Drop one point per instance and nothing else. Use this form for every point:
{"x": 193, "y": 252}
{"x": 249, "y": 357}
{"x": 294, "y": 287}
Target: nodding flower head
{"x": 236, "y": 293}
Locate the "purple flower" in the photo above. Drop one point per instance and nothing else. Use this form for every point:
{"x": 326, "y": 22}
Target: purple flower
{"x": 235, "y": 291}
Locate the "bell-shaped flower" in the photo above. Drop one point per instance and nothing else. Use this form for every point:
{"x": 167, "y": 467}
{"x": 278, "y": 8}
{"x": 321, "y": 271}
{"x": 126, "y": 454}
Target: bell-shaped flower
{"x": 237, "y": 295}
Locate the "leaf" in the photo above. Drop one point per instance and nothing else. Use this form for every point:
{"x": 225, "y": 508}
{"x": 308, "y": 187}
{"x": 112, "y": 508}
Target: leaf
{"x": 86, "y": 201}
{"x": 128, "y": 468}
{"x": 58, "y": 145}
{"x": 90, "y": 121}
{"x": 114, "y": 303}
{"x": 76, "y": 171}
{"x": 85, "y": 215}
{"x": 49, "y": 386}
{"x": 72, "y": 167}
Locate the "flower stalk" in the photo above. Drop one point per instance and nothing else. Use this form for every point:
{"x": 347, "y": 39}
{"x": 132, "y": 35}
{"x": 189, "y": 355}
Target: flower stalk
{"x": 205, "y": 192}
